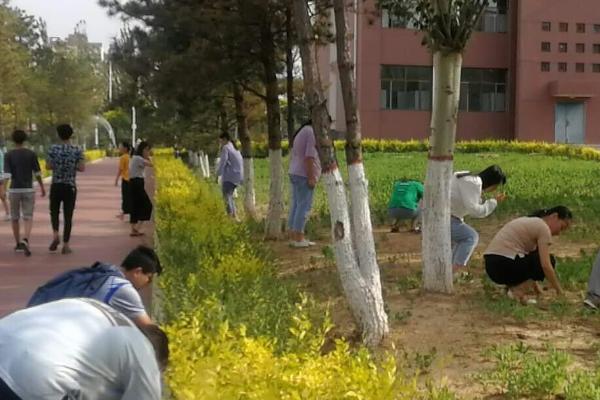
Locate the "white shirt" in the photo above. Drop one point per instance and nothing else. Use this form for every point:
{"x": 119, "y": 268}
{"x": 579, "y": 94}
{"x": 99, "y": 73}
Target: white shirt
{"x": 465, "y": 197}
{"x": 78, "y": 348}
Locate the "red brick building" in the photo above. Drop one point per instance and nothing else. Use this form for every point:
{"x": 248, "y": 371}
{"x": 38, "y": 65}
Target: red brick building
{"x": 530, "y": 72}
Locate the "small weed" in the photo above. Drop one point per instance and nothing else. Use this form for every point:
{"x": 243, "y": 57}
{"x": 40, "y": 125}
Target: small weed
{"x": 329, "y": 255}
{"x": 574, "y": 273}
{"x": 410, "y": 282}
{"x": 424, "y": 361}
{"x": 402, "y": 316}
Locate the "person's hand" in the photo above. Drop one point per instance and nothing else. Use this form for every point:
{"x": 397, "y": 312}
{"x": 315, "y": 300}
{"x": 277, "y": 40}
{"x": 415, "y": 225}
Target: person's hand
{"x": 312, "y": 181}
{"x": 500, "y": 197}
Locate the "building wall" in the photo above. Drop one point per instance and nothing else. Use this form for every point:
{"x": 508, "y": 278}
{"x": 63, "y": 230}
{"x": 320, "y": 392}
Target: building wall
{"x": 537, "y": 91}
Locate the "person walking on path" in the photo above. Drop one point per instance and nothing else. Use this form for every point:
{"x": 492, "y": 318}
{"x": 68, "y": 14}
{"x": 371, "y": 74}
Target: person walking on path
{"x": 404, "y": 204}
{"x": 116, "y": 286}
{"x": 79, "y": 349}
{"x": 21, "y": 164}
{"x": 64, "y": 160}
{"x": 231, "y": 172}
{"x": 3, "y": 184}
{"x": 519, "y": 254}
{"x": 141, "y": 206}
{"x": 123, "y": 175}
{"x": 304, "y": 172}
{"x": 466, "y": 192}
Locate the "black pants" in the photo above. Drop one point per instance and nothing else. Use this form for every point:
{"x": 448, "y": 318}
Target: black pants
{"x": 6, "y": 393}
{"x": 505, "y": 271}
{"x": 141, "y": 206}
{"x": 125, "y": 197}
{"x": 65, "y": 194}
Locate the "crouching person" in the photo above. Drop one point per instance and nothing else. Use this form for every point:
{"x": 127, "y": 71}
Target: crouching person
{"x": 405, "y": 204}
{"x": 79, "y": 349}
{"x": 519, "y": 255}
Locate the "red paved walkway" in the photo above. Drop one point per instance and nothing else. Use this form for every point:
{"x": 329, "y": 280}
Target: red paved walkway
{"x": 97, "y": 235}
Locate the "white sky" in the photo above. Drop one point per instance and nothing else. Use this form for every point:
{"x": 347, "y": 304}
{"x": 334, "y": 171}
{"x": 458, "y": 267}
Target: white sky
{"x": 61, "y": 17}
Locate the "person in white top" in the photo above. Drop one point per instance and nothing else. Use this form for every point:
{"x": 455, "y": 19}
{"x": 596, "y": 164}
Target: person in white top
{"x": 466, "y": 192}
{"x": 79, "y": 349}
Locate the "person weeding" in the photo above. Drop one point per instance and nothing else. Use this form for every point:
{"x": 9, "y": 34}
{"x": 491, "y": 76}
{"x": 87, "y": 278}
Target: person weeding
{"x": 21, "y": 164}
{"x": 64, "y": 159}
{"x": 123, "y": 175}
{"x": 231, "y": 172}
{"x": 304, "y": 172}
{"x": 404, "y": 204}
{"x": 466, "y": 200}
{"x": 141, "y": 206}
{"x": 519, "y": 254}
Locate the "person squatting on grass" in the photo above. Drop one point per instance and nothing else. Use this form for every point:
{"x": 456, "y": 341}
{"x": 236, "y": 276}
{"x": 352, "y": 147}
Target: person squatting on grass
{"x": 231, "y": 172}
{"x": 304, "y": 172}
{"x": 79, "y": 349}
{"x": 123, "y": 175}
{"x": 21, "y": 164}
{"x": 141, "y": 206}
{"x": 64, "y": 160}
{"x": 405, "y": 204}
{"x": 519, "y": 254}
{"x": 466, "y": 190}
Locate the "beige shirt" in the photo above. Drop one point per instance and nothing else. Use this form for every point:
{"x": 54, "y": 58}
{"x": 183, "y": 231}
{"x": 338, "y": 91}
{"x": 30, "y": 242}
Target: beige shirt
{"x": 519, "y": 237}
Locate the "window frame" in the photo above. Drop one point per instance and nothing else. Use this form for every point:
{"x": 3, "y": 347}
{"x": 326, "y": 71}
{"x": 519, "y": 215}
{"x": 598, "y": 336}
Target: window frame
{"x": 545, "y": 66}
{"x": 561, "y": 65}
{"x": 580, "y": 27}
{"x": 562, "y": 45}
{"x": 563, "y": 27}
{"x": 546, "y": 47}
{"x": 580, "y": 48}
{"x": 546, "y": 26}
{"x": 579, "y": 67}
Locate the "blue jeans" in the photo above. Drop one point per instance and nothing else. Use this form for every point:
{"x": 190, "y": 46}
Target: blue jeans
{"x": 228, "y": 188}
{"x": 302, "y": 199}
{"x": 464, "y": 240}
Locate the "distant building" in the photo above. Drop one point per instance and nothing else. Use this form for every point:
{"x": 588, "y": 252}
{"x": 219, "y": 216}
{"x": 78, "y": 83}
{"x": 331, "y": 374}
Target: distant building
{"x": 531, "y": 72}
{"x": 78, "y": 43}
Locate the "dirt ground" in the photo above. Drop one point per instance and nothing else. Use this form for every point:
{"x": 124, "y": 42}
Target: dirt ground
{"x": 443, "y": 336}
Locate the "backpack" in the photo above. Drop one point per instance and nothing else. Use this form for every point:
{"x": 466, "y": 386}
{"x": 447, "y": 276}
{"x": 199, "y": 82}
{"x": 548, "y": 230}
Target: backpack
{"x": 81, "y": 282}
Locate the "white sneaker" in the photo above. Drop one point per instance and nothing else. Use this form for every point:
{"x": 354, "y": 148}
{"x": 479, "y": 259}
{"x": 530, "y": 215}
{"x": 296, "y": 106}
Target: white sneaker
{"x": 589, "y": 303}
{"x": 302, "y": 244}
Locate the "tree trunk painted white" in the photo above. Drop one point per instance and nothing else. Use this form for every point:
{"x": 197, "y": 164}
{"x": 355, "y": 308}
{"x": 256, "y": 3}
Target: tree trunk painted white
{"x": 207, "y": 165}
{"x": 436, "y": 246}
{"x": 200, "y": 163}
{"x": 275, "y": 212}
{"x": 363, "y": 297}
{"x": 249, "y": 193}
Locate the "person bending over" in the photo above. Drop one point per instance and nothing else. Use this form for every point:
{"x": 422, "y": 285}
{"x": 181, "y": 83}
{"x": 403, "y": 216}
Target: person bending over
{"x": 404, "y": 204}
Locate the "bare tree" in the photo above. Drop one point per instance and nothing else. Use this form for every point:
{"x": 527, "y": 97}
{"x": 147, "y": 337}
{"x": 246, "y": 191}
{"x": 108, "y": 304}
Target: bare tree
{"x": 447, "y": 26}
{"x": 356, "y": 263}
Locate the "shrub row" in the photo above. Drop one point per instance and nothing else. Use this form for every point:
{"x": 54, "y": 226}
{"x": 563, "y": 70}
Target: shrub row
{"x": 236, "y": 330}
{"x": 261, "y": 149}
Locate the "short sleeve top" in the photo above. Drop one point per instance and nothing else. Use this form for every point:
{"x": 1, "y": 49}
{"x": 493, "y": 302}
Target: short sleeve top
{"x": 519, "y": 237}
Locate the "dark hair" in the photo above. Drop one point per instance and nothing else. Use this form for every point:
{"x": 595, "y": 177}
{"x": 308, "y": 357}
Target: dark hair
{"x": 226, "y": 136}
{"x": 139, "y": 151}
{"x": 291, "y": 140}
{"x": 126, "y": 145}
{"x": 19, "y": 136}
{"x": 562, "y": 212}
{"x": 64, "y": 131}
{"x": 492, "y": 176}
{"x": 160, "y": 342}
{"x": 142, "y": 257}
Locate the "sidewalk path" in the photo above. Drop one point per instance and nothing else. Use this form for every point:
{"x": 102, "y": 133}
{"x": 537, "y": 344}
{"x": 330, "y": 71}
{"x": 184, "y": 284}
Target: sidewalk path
{"x": 97, "y": 236}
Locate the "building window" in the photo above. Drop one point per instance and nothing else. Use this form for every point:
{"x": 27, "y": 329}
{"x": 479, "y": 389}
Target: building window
{"x": 596, "y": 47}
{"x": 562, "y": 47}
{"x": 563, "y": 27}
{"x": 545, "y": 46}
{"x": 546, "y": 26}
{"x": 597, "y": 28}
{"x": 406, "y": 87}
{"x": 562, "y": 67}
{"x": 389, "y": 20}
{"x": 483, "y": 90}
{"x": 545, "y": 66}
{"x": 596, "y": 68}
{"x": 494, "y": 18}
{"x": 580, "y": 67}
{"x": 580, "y": 47}
{"x": 580, "y": 28}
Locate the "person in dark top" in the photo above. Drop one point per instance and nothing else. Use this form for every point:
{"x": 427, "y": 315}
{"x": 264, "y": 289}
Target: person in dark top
{"x": 64, "y": 160}
{"x": 21, "y": 164}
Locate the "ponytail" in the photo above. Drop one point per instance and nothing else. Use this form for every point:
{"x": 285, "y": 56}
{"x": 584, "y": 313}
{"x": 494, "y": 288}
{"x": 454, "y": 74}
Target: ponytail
{"x": 562, "y": 212}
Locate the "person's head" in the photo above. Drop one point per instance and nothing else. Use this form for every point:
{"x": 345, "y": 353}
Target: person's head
{"x": 124, "y": 147}
{"x": 160, "y": 343}
{"x": 19, "y": 137}
{"x": 143, "y": 149}
{"x": 140, "y": 266}
{"x": 305, "y": 123}
{"x": 558, "y": 218}
{"x": 491, "y": 178}
{"x": 64, "y": 132}
{"x": 224, "y": 138}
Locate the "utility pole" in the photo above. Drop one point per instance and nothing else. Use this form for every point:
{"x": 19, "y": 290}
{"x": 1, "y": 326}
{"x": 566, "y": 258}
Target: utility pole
{"x": 110, "y": 82}
{"x": 96, "y": 133}
{"x": 133, "y": 126}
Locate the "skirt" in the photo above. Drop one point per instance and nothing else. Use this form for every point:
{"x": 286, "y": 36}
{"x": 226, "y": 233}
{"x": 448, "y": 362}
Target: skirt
{"x": 141, "y": 206}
